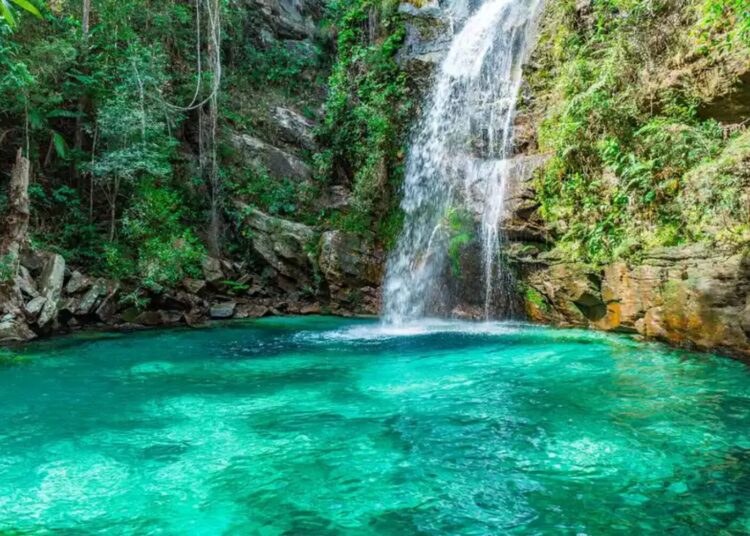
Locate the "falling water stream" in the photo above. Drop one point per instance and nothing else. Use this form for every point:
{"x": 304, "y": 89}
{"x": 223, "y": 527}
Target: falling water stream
{"x": 459, "y": 160}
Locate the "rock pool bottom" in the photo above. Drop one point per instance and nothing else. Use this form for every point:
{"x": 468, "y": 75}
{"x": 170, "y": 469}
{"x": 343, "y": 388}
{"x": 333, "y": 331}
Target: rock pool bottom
{"x": 324, "y": 426}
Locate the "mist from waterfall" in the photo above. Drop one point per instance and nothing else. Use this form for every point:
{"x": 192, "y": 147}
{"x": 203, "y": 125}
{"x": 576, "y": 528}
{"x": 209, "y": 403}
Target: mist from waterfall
{"x": 458, "y": 161}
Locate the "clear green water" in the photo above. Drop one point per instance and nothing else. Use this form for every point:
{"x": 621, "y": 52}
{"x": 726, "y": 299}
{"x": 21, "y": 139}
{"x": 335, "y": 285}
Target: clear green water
{"x": 323, "y": 426}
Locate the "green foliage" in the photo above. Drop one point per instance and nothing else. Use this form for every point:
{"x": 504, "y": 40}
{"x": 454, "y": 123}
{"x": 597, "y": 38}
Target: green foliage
{"x": 725, "y": 23}
{"x": 275, "y": 196}
{"x": 9, "y": 359}
{"x": 281, "y": 64}
{"x": 7, "y": 268}
{"x": 156, "y": 247}
{"x": 620, "y": 151}
{"x": 72, "y": 234}
{"x": 367, "y": 111}
{"x": 7, "y": 7}
{"x": 460, "y": 227}
{"x": 130, "y": 127}
{"x": 235, "y": 288}
{"x": 535, "y": 298}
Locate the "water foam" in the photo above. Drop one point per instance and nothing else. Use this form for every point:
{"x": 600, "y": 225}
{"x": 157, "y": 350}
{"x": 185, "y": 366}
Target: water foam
{"x": 458, "y": 158}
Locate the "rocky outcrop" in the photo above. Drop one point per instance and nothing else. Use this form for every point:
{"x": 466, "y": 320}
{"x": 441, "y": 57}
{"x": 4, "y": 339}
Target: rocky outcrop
{"x": 428, "y": 37}
{"x": 279, "y": 163}
{"x": 50, "y": 288}
{"x": 286, "y": 19}
{"x": 288, "y": 247}
{"x": 293, "y": 128}
{"x": 690, "y": 296}
{"x": 352, "y": 269}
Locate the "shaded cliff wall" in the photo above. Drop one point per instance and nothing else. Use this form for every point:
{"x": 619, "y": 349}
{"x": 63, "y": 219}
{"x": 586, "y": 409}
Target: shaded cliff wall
{"x": 637, "y": 217}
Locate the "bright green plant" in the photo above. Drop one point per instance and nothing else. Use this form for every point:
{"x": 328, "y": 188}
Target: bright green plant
{"x": 156, "y": 248}
{"x": 460, "y": 226}
{"x": 367, "y": 111}
{"x": 7, "y": 7}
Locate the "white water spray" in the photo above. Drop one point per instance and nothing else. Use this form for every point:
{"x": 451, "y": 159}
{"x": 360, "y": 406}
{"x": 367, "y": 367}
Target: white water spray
{"x": 459, "y": 157}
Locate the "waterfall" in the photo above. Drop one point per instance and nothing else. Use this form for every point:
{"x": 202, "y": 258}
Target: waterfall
{"x": 459, "y": 157}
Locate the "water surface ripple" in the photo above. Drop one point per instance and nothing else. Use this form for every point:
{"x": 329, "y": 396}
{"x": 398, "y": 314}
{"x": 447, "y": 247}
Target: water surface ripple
{"x": 325, "y": 426}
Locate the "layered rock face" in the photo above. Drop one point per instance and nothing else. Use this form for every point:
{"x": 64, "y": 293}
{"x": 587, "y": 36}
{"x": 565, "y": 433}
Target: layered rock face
{"x": 688, "y": 296}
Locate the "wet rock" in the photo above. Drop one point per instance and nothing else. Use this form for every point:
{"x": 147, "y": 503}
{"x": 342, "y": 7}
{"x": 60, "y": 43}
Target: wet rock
{"x": 108, "y": 306}
{"x": 50, "y": 287}
{"x": 347, "y": 261}
{"x": 13, "y": 328}
{"x": 687, "y": 295}
{"x": 247, "y": 310}
{"x": 467, "y": 313}
{"x": 77, "y": 283}
{"x": 427, "y": 41}
{"x": 98, "y": 290}
{"x": 158, "y": 318}
{"x": 223, "y": 310}
{"x": 195, "y": 317}
{"x": 34, "y": 307}
{"x": 25, "y": 283}
{"x": 311, "y": 309}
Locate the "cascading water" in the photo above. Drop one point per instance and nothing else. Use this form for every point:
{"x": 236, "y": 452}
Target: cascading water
{"x": 459, "y": 160}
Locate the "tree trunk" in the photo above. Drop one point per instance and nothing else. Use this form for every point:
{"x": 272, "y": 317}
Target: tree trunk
{"x": 83, "y": 101}
{"x": 85, "y": 19}
{"x": 17, "y": 219}
{"x": 113, "y": 210}
{"x": 13, "y": 326}
{"x": 216, "y": 225}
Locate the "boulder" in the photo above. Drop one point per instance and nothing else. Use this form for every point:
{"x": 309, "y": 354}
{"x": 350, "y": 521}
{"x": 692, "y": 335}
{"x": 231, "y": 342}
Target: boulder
{"x": 158, "y": 318}
{"x": 25, "y": 283}
{"x": 13, "y": 328}
{"x": 311, "y": 309}
{"x": 685, "y": 295}
{"x": 285, "y": 245}
{"x": 34, "y": 260}
{"x": 347, "y": 261}
{"x": 212, "y": 271}
{"x": 247, "y": 310}
{"x": 287, "y": 19}
{"x": 194, "y": 286}
{"x": 294, "y": 128}
{"x": 98, "y": 290}
{"x": 50, "y": 287}
{"x": 34, "y": 307}
{"x": 279, "y": 163}
{"x": 221, "y": 311}
{"x": 77, "y": 283}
